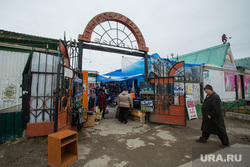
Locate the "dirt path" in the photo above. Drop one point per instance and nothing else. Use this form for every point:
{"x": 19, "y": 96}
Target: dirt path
{"x": 112, "y": 144}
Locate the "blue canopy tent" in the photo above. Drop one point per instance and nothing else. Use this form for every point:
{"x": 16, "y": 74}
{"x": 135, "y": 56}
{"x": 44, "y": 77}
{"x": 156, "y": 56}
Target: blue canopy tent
{"x": 136, "y": 70}
{"x": 116, "y": 77}
{"x": 119, "y": 73}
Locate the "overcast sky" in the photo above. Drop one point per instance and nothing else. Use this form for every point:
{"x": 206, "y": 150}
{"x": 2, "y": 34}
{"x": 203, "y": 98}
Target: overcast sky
{"x": 168, "y": 26}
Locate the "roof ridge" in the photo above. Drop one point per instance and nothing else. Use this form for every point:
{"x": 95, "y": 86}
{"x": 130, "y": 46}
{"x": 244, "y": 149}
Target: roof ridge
{"x": 242, "y": 58}
{"x": 210, "y": 48}
{"x": 27, "y": 35}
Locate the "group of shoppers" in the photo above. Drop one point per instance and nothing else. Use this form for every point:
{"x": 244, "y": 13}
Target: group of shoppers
{"x": 212, "y": 118}
{"x": 124, "y": 102}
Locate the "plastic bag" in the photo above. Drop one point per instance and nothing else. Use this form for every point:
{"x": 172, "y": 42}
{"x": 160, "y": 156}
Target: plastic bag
{"x": 117, "y": 110}
{"x": 98, "y": 111}
{"x": 107, "y": 110}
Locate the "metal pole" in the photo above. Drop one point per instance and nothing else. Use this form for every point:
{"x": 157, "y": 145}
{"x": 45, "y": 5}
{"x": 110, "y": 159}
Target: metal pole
{"x": 57, "y": 89}
{"x": 80, "y": 55}
{"x": 146, "y": 66}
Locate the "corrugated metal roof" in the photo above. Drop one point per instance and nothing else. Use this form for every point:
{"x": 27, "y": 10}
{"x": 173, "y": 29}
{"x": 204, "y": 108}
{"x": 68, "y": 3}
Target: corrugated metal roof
{"x": 4, "y": 33}
{"x": 26, "y": 40}
{"x": 244, "y": 62}
{"x": 213, "y": 55}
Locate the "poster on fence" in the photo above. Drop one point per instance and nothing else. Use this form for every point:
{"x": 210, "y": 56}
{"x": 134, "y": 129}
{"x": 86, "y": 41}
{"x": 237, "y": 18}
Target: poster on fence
{"x": 147, "y": 106}
{"x": 147, "y": 97}
{"x": 192, "y": 114}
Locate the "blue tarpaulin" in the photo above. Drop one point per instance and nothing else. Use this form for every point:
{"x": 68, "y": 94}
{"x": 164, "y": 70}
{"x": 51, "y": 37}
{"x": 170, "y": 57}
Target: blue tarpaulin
{"x": 135, "y": 70}
{"x": 102, "y": 78}
{"x": 118, "y": 73}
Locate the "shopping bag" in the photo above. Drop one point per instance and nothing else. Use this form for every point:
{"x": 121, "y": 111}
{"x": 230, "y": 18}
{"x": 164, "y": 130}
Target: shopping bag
{"x": 98, "y": 111}
{"x": 117, "y": 109}
{"x": 107, "y": 110}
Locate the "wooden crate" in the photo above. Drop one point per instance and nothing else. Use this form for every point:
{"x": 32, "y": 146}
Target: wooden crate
{"x": 140, "y": 119}
{"x": 130, "y": 112}
{"x": 131, "y": 117}
{"x": 136, "y": 112}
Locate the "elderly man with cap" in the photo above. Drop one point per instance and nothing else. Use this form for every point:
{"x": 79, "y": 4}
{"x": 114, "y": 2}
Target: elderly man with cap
{"x": 212, "y": 118}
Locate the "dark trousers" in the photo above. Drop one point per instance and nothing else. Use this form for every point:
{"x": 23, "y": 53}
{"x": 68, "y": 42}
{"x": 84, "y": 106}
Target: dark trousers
{"x": 223, "y": 138}
{"x": 124, "y": 114}
{"x": 103, "y": 111}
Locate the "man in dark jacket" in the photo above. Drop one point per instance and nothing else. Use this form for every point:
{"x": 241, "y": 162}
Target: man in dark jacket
{"x": 102, "y": 103}
{"x": 212, "y": 118}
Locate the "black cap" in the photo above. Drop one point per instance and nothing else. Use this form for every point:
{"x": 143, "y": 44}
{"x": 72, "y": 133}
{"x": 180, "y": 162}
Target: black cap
{"x": 103, "y": 90}
{"x": 208, "y": 87}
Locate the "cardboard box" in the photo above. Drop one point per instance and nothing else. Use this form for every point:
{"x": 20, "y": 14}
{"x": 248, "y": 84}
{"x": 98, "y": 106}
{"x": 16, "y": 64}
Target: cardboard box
{"x": 98, "y": 117}
{"x": 90, "y": 122}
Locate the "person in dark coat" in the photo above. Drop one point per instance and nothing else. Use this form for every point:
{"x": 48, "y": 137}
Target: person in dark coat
{"x": 212, "y": 118}
{"x": 102, "y": 102}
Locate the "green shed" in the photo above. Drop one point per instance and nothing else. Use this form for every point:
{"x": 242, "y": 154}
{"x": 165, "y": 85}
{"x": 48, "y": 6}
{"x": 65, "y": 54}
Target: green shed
{"x": 15, "y": 50}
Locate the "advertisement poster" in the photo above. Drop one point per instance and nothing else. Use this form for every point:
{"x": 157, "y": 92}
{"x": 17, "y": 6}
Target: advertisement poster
{"x": 247, "y": 84}
{"x": 192, "y": 114}
{"x": 78, "y": 97}
{"x": 147, "y": 88}
{"x": 9, "y": 93}
{"x": 178, "y": 89}
{"x": 147, "y": 97}
{"x": 206, "y": 76}
{"x": 229, "y": 78}
{"x": 147, "y": 106}
{"x": 229, "y": 61}
{"x": 239, "y": 88}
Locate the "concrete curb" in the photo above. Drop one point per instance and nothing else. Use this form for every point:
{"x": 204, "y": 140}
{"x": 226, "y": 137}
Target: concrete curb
{"x": 245, "y": 117}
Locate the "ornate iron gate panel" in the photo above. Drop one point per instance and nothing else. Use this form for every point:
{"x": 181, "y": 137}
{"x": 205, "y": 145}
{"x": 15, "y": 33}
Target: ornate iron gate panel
{"x": 43, "y": 72}
{"x": 169, "y": 102}
{"x": 48, "y": 101}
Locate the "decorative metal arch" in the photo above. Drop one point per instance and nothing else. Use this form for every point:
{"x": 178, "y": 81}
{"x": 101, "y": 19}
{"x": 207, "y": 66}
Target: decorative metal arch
{"x": 115, "y": 46}
{"x": 112, "y": 16}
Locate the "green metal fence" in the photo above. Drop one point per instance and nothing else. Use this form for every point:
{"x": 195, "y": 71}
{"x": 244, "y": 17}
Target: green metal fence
{"x": 10, "y": 126}
{"x": 225, "y": 106}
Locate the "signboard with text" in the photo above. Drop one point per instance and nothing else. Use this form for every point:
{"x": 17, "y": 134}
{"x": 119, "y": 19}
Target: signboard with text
{"x": 192, "y": 114}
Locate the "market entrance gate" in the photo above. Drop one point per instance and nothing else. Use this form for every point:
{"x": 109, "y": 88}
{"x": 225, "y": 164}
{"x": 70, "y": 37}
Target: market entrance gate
{"x": 169, "y": 100}
{"x": 169, "y": 107}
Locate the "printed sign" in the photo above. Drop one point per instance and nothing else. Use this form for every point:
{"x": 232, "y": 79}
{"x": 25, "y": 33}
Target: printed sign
{"x": 9, "y": 93}
{"x": 191, "y": 107}
{"x": 247, "y": 84}
{"x": 229, "y": 61}
{"x": 229, "y": 81}
{"x": 146, "y": 88}
{"x": 179, "y": 89}
{"x": 147, "y": 106}
{"x": 147, "y": 97}
{"x": 239, "y": 88}
{"x": 68, "y": 73}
